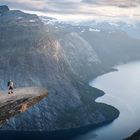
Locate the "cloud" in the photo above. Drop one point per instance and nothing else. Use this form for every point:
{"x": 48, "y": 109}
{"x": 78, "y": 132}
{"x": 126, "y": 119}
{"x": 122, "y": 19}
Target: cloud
{"x": 80, "y": 9}
{"x": 43, "y": 5}
{"x": 90, "y": 1}
{"x": 25, "y": 4}
{"x": 63, "y": 7}
{"x": 118, "y": 3}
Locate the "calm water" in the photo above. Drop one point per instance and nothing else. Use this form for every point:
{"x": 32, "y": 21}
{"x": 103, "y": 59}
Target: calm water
{"x": 122, "y": 90}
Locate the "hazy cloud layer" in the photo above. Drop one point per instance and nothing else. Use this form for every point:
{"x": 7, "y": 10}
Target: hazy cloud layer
{"x": 80, "y": 9}
{"x": 117, "y": 3}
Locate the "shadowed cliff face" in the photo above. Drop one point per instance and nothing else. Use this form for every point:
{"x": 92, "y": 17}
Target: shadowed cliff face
{"x": 19, "y": 101}
{"x": 32, "y": 55}
{"x": 135, "y": 136}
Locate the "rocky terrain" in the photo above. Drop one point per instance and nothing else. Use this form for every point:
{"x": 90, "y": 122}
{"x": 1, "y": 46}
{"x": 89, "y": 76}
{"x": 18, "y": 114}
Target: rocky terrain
{"x": 19, "y": 101}
{"x": 35, "y": 54}
{"x": 135, "y": 136}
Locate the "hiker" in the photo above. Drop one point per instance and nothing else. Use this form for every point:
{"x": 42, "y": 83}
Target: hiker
{"x": 10, "y": 85}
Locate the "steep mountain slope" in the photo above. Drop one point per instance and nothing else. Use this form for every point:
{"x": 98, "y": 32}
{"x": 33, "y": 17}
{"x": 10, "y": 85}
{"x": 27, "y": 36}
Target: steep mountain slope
{"x": 110, "y": 47}
{"x": 32, "y": 55}
{"x": 114, "y": 47}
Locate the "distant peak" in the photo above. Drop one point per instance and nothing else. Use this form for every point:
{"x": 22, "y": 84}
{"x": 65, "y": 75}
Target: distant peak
{"x": 3, "y": 9}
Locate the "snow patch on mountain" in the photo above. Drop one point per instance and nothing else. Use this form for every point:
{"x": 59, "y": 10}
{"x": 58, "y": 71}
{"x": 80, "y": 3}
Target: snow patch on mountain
{"x": 94, "y": 30}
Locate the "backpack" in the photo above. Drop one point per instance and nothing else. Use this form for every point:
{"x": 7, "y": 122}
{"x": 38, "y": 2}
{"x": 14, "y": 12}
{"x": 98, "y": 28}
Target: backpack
{"x": 8, "y": 84}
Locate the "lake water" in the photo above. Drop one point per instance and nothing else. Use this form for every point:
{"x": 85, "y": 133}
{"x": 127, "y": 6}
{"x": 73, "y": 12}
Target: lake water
{"x": 122, "y": 90}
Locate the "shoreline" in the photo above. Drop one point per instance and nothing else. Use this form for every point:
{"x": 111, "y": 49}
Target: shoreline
{"x": 135, "y": 134}
{"x": 68, "y": 134}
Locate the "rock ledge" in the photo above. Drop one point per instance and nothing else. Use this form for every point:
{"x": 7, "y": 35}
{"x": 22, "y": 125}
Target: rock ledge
{"x": 19, "y": 101}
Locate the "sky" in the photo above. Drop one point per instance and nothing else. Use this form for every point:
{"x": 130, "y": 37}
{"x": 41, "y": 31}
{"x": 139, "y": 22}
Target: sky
{"x": 80, "y": 10}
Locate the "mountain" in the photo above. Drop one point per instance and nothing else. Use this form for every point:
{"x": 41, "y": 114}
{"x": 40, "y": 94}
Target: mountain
{"x": 32, "y": 55}
{"x": 110, "y": 46}
{"x": 131, "y": 28}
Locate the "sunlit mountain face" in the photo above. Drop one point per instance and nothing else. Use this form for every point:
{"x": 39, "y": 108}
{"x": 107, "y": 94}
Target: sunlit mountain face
{"x": 77, "y": 10}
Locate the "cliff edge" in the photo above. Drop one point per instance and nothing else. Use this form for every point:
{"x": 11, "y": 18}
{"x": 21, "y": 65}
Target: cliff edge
{"x": 19, "y": 101}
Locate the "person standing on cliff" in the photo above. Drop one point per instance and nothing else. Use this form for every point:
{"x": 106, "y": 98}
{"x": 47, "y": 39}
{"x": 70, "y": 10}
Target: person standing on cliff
{"x": 10, "y": 86}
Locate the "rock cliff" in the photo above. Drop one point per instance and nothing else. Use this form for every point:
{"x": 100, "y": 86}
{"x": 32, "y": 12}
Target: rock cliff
{"x": 19, "y": 101}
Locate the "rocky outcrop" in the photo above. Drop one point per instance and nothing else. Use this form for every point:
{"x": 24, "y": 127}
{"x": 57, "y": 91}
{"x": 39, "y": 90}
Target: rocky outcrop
{"x": 3, "y": 9}
{"x": 19, "y": 101}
